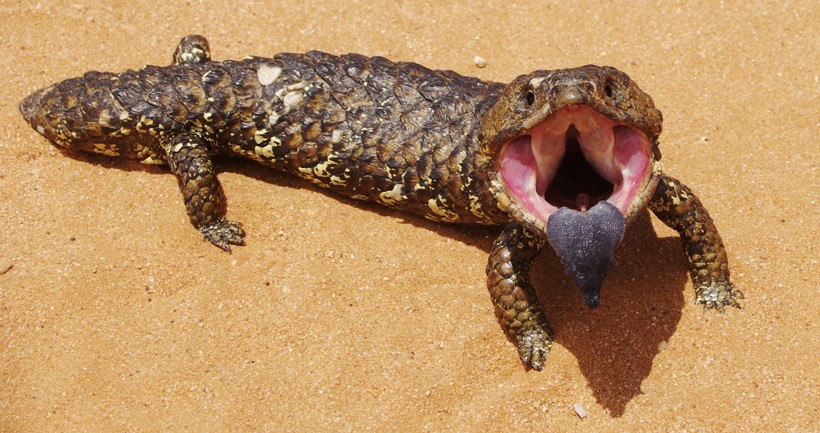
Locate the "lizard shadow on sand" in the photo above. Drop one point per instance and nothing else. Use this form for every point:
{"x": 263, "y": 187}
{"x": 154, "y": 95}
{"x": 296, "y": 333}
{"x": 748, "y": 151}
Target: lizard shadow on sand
{"x": 641, "y": 304}
{"x": 615, "y": 345}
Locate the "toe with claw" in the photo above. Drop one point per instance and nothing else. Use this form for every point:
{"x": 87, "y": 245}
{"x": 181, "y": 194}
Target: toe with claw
{"x": 718, "y": 295}
{"x": 534, "y": 346}
{"x": 224, "y": 233}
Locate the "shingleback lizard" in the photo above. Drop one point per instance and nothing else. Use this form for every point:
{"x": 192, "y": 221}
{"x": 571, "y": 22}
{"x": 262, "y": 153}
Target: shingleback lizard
{"x": 566, "y": 157}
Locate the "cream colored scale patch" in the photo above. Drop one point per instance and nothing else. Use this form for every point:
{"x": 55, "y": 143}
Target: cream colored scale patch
{"x": 394, "y": 195}
{"x": 440, "y": 211}
{"x": 320, "y": 175}
{"x": 475, "y": 209}
{"x": 106, "y": 149}
{"x": 267, "y": 74}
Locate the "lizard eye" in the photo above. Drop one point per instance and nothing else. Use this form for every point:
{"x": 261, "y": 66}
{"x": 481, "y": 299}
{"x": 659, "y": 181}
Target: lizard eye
{"x": 608, "y": 91}
{"x": 529, "y": 97}
{"x": 525, "y": 101}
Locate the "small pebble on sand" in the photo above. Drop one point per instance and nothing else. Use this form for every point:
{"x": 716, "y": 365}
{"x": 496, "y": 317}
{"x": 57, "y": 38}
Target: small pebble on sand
{"x": 582, "y": 412}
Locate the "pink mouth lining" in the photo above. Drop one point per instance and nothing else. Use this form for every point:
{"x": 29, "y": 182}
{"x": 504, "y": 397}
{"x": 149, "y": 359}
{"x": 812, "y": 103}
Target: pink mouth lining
{"x": 613, "y": 157}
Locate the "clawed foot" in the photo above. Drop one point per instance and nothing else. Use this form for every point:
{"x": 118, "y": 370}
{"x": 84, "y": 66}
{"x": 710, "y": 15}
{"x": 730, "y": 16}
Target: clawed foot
{"x": 718, "y": 295}
{"x": 223, "y": 233}
{"x": 534, "y": 346}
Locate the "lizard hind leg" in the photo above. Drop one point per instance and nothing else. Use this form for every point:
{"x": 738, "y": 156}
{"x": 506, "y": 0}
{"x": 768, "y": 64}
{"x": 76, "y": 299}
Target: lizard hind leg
{"x": 192, "y": 49}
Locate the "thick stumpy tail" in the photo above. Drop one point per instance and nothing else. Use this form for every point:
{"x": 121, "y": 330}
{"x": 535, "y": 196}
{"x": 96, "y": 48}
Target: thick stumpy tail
{"x": 52, "y": 113}
{"x": 71, "y": 113}
{"x": 31, "y": 109}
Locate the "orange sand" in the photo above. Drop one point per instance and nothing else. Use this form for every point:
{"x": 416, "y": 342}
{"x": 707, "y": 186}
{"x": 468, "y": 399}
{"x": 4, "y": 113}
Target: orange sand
{"x": 339, "y": 316}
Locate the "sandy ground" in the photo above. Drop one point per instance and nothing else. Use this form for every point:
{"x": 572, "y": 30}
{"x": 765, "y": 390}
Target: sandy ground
{"x": 340, "y": 316}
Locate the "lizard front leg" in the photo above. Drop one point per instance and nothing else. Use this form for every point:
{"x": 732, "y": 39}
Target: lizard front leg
{"x": 516, "y": 306}
{"x": 678, "y": 207}
{"x": 190, "y": 160}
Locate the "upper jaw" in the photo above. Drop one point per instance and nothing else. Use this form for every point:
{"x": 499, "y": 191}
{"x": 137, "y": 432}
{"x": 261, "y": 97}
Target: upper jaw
{"x": 575, "y": 158}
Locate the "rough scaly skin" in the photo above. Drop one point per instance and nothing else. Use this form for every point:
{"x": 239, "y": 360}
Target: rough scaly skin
{"x": 516, "y": 306}
{"x": 418, "y": 140}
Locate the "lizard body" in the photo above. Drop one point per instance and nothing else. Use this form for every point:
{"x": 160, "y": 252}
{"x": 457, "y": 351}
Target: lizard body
{"x": 566, "y": 157}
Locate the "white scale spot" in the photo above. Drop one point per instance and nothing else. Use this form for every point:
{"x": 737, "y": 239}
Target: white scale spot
{"x": 266, "y": 151}
{"x": 536, "y": 82}
{"x": 321, "y": 169}
{"x": 292, "y": 99}
{"x": 273, "y": 118}
{"x": 150, "y": 160}
{"x": 306, "y": 173}
{"x": 188, "y": 57}
{"x": 441, "y": 212}
{"x": 105, "y": 118}
{"x": 268, "y": 74}
{"x": 475, "y": 207}
{"x": 252, "y": 155}
{"x": 106, "y": 149}
{"x": 336, "y": 136}
{"x": 394, "y": 195}
{"x": 259, "y": 136}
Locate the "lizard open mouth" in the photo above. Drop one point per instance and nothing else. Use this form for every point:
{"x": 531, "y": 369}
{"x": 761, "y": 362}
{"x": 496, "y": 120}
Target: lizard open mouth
{"x": 576, "y": 158}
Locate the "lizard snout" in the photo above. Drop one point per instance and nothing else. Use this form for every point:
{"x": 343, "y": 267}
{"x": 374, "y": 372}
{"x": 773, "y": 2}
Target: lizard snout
{"x": 568, "y": 95}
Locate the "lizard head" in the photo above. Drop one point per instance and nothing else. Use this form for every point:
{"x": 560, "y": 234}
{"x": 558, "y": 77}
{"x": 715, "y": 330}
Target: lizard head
{"x": 574, "y": 140}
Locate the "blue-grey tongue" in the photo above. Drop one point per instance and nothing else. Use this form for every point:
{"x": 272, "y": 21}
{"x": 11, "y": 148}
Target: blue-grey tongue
{"x": 585, "y": 241}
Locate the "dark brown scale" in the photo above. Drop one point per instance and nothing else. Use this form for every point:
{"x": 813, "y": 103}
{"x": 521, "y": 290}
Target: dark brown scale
{"x": 415, "y": 139}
